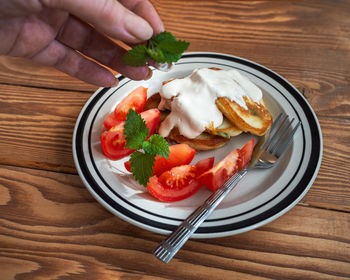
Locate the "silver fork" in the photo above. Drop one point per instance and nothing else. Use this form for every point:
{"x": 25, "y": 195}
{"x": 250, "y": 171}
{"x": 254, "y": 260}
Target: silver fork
{"x": 266, "y": 153}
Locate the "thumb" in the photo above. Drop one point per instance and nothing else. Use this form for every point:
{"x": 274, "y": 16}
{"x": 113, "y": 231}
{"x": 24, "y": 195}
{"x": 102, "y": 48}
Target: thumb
{"x": 107, "y": 16}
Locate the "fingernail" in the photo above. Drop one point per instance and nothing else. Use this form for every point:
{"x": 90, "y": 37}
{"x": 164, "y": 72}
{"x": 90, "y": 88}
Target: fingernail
{"x": 116, "y": 82}
{"x": 149, "y": 75}
{"x": 161, "y": 28}
{"x": 138, "y": 27}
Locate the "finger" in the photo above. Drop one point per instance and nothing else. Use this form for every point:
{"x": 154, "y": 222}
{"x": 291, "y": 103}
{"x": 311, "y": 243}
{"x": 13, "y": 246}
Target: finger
{"x": 15, "y": 8}
{"x": 74, "y": 64}
{"x": 109, "y": 17}
{"x": 146, "y": 10}
{"x": 82, "y": 37}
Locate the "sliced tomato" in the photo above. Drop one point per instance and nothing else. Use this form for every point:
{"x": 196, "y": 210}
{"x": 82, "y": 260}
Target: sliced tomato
{"x": 178, "y": 183}
{"x": 246, "y": 153}
{"x": 151, "y": 118}
{"x": 217, "y": 175}
{"x": 110, "y": 121}
{"x": 228, "y": 166}
{"x": 204, "y": 165}
{"x": 136, "y": 101}
{"x": 113, "y": 141}
{"x": 178, "y": 177}
{"x": 180, "y": 154}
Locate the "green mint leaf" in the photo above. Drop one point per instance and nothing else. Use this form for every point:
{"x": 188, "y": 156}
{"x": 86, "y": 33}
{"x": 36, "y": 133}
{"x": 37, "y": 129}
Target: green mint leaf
{"x": 171, "y": 57}
{"x": 174, "y": 47}
{"x": 135, "y": 130}
{"x": 156, "y": 145}
{"x": 163, "y": 36}
{"x": 137, "y": 56}
{"x": 141, "y": 165}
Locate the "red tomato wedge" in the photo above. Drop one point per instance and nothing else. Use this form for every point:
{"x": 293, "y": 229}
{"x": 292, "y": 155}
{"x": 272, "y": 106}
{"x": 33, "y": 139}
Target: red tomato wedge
{"x": 180, "y": 154}
{"x": 228, "y": 166}
{"x": 151, "y": 118}
{"x": 136, "y": 100}
{"x": 246, "y": 153}
{"x": 217, "y": 175}
{"x": 110, "y": 121}
{"x": 180, "y": 182}
{"x": 113, "y": 141}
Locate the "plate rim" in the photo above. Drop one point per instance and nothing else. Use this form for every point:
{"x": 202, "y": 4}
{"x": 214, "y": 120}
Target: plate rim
{"x": 129, "y": 216}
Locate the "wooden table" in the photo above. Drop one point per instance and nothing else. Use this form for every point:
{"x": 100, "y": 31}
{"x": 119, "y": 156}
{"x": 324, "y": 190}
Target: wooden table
{"x": 52, "y": 228}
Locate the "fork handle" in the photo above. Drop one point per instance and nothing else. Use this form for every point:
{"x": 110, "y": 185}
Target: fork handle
{"x": 173, "y": 243}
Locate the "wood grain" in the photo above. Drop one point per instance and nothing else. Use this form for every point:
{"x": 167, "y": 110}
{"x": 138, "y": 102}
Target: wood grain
{"x": 36, "y": 126}
{"x": 19, "y": 71}
{"x": 76, "y": 237}
{"x": 331, "y": 188}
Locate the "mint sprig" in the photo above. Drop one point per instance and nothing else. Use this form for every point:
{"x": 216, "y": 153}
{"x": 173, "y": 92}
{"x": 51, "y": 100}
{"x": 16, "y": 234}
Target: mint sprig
{"x": 163, "y": 48}
{"x": 142, "y": 161}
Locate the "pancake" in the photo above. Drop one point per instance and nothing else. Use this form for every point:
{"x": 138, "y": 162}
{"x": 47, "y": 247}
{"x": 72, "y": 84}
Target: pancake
{"x": 204, "y": 141}
{"x": 226, "y": 129}
{"x": 256, "y": 120}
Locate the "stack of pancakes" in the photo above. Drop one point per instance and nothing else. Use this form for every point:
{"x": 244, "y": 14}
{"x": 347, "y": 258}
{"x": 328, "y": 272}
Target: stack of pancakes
{"x": 255, "y": 120}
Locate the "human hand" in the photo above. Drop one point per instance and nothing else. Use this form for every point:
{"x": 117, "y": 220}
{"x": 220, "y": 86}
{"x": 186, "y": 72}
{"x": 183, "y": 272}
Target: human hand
{"x": 65, "y": 33}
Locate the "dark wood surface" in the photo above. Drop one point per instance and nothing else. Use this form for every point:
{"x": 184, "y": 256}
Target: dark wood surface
{"x": 52, "y": 228}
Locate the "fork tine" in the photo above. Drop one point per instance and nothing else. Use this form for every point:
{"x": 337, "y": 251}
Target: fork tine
{"x": 274, "y": 132}
{"x": 285, "y": 144}
{"x": 271, "y": 129}
{"x": 276, "y": 121}
{"x": 281, "y": 137}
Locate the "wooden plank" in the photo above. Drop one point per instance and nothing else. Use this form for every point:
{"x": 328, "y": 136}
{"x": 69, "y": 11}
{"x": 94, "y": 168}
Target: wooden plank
{"x": 50, "y": 227}
{"x": 331, "y": 188}
{"x": 19, "y": 71}
{"x": 36, "y": 126}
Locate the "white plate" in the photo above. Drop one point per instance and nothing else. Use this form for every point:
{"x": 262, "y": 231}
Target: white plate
{"x": 262, "y": 196}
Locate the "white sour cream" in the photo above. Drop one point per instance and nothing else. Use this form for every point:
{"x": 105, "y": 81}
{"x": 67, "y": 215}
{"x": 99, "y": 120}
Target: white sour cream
{"x": 191, "y": 100}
